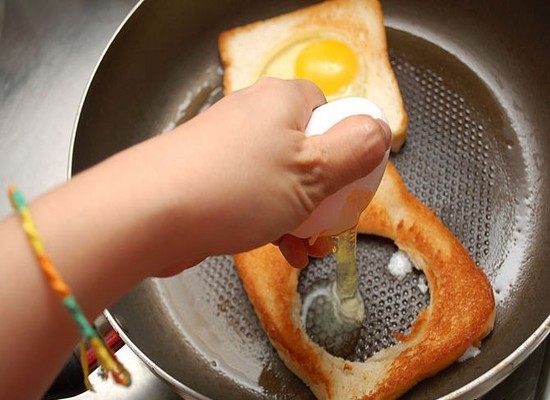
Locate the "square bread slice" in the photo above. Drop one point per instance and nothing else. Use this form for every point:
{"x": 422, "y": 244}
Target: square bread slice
{"x": 245, "y": 51}
{"x": 460, "y": 314}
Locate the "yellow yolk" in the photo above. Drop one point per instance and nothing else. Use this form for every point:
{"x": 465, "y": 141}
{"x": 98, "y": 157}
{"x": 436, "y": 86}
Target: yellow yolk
{"x": 330, "y": 64}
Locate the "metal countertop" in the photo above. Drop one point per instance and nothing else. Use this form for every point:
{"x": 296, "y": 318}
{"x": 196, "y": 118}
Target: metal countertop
{"x": 48, "y": 51}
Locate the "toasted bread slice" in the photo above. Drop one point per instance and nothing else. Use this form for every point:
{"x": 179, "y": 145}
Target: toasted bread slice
{"x": 461, "y": 311}
{"x": 245, "y": 51}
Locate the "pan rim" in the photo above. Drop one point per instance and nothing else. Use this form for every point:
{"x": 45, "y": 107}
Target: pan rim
{"x": 76, "y": 123}
{"x": 477, "y": 387}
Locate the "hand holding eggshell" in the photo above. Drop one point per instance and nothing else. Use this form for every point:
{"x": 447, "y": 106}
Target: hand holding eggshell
{"x": 341, "y": 210}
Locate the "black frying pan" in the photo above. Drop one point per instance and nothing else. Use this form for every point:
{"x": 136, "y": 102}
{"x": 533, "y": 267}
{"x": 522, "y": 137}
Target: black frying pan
{"x": 474, "y": 77}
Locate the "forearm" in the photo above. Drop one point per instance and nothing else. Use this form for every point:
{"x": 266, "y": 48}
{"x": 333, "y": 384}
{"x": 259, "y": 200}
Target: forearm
{"x": 134, "y": 215}
{"x": 105, "y": 231}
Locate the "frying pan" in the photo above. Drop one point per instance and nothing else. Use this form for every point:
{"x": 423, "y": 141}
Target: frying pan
{"x": 474, "y": 78}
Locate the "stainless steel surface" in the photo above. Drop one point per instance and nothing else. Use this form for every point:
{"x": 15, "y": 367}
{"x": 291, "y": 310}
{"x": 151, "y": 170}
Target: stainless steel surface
{"x": 48, "y": 49}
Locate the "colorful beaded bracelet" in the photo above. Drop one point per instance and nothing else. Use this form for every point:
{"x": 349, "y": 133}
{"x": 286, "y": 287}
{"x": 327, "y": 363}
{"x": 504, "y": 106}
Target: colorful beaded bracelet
{"x": 107, "y": 360}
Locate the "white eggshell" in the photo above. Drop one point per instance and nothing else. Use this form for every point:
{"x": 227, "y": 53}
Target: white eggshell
{"x": 341, "y": 210}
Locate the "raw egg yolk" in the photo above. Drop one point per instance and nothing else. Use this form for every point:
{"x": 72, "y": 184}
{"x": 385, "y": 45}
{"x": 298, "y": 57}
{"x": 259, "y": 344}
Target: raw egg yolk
{"x": 330, "y": 64}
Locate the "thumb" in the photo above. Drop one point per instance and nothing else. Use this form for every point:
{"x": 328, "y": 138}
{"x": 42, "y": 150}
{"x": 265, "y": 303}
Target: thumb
{"x": 352, "y": 148}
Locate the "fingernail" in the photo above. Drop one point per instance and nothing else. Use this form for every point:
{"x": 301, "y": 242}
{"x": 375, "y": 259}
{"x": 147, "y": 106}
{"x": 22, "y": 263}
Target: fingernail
{"x": 387, "y": 131}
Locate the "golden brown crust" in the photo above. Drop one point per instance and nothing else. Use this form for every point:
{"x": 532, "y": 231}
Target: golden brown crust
{"x": 244, "y": 51}
{"x": 461, "y": 311}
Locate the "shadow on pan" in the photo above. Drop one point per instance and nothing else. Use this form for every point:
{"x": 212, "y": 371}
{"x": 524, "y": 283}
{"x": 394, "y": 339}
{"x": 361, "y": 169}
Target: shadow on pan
{"x": 475, "y": 87}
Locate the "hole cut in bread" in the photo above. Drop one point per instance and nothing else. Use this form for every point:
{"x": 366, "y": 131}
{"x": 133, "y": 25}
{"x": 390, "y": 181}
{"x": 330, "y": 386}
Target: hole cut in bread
{"x": 460, "y": 314}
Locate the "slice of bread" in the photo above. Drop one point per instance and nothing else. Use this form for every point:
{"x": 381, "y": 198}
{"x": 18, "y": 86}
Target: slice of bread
{"x": 245, "y": 51}
{"x": 461, "y": 311}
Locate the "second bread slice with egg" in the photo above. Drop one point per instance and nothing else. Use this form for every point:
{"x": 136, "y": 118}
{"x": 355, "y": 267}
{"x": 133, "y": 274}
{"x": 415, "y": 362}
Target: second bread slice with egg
{"x": 248, "y": 52}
